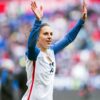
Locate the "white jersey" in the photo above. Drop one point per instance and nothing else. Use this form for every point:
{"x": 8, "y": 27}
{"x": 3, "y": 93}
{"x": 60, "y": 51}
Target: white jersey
{"x": 40, "y": 76}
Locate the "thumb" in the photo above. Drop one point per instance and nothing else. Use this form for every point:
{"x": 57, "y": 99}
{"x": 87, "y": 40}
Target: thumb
{"x": 41, "y": 8}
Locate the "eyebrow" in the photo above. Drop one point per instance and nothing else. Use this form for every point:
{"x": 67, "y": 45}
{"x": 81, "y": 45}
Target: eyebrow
{"x": 48, "y": 32}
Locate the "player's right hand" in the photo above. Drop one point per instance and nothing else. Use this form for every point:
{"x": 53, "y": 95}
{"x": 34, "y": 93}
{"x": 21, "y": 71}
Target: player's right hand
{"x": 38, "y": 11}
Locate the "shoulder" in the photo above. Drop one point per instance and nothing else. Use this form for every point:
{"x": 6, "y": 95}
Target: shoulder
{"x": 32, "y": 55}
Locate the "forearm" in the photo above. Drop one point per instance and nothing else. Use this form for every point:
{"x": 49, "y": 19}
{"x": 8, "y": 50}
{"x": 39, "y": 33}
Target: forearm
{"x": 32, "y": 40}
{"x": 69, "y": 37}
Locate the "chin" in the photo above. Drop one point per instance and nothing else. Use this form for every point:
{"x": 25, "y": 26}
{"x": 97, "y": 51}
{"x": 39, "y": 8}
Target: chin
{"x": 47, "y": 46}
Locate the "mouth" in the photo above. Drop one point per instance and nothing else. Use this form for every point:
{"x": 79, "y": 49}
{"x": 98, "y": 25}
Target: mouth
{"x": 49, "y": 41}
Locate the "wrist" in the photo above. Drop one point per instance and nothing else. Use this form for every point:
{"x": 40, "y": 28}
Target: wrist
{"x": 84, "y": 17}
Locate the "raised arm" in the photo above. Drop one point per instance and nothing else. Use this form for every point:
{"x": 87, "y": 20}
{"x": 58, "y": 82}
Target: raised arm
{"x": 71, "y": 35}
{"x": 33, "y": 51}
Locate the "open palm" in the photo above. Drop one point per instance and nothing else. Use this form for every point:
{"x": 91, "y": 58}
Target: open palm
{"x": 38, "y": 11}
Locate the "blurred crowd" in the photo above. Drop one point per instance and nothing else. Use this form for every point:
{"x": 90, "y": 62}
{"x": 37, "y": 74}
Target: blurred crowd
{"x": 78, "y": 65}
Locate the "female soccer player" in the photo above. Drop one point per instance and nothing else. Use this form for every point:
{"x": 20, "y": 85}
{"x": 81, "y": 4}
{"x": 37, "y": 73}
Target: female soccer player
{"x": 40, "y": 55}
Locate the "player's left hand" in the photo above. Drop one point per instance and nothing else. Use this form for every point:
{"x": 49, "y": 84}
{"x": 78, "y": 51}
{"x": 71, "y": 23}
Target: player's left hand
{"x": 84, "y": 11}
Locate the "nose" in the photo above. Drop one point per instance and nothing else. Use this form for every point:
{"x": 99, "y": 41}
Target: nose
{"x": 49, "y": 36}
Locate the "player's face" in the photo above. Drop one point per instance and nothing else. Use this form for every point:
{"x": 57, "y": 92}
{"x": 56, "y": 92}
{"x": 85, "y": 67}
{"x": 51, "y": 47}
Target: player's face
{"x": 45, "y": 37}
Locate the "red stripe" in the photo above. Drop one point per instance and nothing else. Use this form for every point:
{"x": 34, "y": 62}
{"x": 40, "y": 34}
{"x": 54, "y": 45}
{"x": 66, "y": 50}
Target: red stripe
{"x": 33, "y": 74}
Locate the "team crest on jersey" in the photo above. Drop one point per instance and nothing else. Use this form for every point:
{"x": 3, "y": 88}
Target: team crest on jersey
{"x": 52, "y": 67}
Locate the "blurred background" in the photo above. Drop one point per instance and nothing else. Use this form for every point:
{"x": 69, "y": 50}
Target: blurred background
{"x": 78, "y": 65}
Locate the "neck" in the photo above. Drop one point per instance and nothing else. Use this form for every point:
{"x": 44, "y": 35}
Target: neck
{"x": 41, "y": 48}
{"x": 44, "y": 49}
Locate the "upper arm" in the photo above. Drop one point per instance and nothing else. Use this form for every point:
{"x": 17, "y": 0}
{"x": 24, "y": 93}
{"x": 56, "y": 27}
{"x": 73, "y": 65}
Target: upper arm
{"x": 32, "y": 53}
{"x": 69, "y": 37}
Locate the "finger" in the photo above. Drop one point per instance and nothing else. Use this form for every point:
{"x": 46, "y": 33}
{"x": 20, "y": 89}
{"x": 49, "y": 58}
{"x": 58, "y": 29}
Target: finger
{"x": 85, "y": 10}
{"x": 32, "y": 2}
{"x": 84, "y": 4}
{"x": 83, "y": 1}
{"x": 41, "y": 8}
{"x": 33, "y": 8}
{"x": 35, "y": 4}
